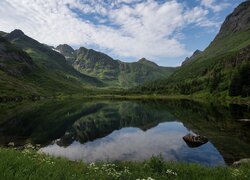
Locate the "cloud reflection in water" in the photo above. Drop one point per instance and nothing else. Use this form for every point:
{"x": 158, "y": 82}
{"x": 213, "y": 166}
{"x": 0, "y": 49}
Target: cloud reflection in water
{"x": 135, "y": 144}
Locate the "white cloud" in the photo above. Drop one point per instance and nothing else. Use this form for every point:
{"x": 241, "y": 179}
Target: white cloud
{"x": 141, "y": 29}
{"x": 212, "y": 4}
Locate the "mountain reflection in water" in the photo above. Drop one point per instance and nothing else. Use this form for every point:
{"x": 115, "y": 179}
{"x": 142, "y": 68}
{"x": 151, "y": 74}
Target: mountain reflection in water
{"x": 129, "y": 130}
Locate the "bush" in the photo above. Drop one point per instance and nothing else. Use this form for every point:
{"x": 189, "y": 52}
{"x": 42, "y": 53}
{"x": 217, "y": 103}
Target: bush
{"x": 156, "y": 164}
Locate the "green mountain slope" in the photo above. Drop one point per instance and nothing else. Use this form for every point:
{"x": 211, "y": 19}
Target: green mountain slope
{"x": 14, "y": 61}
{"x": 14, "y": 64}
{"x": 33, "y": 68}
{"x": 213, "y": 70}
{"x": 113, "y": 72}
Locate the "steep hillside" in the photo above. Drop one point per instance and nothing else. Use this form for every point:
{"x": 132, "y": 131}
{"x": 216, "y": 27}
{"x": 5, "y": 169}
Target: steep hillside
{"x": 14, "y": 64}
{"x": 213, "y": 70}
{"x": 29, "y": 67}
{"x": 14, "y": 61}
{"x": 113, "y": 72}
{"x": 96, "y": 64}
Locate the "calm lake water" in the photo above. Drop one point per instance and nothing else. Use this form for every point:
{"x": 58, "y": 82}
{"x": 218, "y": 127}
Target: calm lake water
{"x": 105, "y": 130}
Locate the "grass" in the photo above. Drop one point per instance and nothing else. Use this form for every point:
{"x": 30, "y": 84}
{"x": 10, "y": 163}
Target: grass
{"x": 28, "y": 164}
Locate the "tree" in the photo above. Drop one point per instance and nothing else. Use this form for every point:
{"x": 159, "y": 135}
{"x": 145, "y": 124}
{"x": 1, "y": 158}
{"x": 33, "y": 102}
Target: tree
{"x": 235, "y": 87}
{"x": 215, "y": 80}
{"x": 240, "y": 82}
{"x": 245, "y": 80}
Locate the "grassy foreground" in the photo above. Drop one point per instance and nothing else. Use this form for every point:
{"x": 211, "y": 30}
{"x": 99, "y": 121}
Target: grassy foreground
{"x": 28, "y": 164}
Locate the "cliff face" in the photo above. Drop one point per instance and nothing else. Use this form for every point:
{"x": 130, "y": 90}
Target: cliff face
{"x": 237, "y": 21}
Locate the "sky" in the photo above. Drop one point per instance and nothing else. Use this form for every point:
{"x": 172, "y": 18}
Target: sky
{"x": 163, "y": 31}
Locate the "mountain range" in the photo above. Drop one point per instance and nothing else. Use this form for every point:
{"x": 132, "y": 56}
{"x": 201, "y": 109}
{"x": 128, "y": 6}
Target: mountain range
{"x": 113, "y": 72}
{"x": 30, "y": 67}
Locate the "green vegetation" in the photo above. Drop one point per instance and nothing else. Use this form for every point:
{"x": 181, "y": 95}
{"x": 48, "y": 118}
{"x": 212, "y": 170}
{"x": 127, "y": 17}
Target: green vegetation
{"x": 210, "y": 72}
{"x": 205, "y": 74}
{"x": 28, "y": 164}
{"x": 49, "y": 73}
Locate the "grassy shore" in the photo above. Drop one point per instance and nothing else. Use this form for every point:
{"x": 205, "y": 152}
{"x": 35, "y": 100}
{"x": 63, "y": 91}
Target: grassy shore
{"x": 28, "y": 164}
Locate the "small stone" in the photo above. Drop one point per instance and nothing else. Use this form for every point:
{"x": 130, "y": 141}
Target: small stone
{"x": 11, "y": 144}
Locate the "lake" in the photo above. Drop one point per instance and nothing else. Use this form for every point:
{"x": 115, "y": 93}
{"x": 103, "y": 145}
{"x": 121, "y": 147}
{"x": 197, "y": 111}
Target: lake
{"x": 111, "y": 130}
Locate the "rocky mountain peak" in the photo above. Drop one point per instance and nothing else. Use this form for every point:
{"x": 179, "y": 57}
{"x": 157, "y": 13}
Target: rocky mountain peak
{"x": 142, "y": 59}
{"x": 237, "y": 21}
{"x": 65, "y": 50}
{"x": 17, "y": 33}
{"x": 197, "y": 52}
{"x": 194, "y": 55}
{"x": 65, "y": 47}
{"x": 147, "y": 62}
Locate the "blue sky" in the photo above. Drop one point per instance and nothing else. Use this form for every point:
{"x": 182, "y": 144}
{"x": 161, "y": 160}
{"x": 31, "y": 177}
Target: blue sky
{"x": 164, "y": 31}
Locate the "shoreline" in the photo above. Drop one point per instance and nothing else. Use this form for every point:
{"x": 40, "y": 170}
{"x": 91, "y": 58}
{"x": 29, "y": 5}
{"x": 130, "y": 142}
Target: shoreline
{"x": 203, "y": 98}
{"x": 169, "y": 97}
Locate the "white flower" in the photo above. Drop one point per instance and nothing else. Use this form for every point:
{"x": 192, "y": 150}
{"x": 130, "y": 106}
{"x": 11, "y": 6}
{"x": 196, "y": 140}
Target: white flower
{"x": 171, "y": 172}
{"x": 149, "y": 178}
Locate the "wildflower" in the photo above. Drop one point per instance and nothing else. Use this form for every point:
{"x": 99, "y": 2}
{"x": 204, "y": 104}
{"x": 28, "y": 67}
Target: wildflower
{"x": 236, "y": 172}
{"x": 149, "y": 178}
{"x": 171, "y": 172}
{"x": 92, "y": 164}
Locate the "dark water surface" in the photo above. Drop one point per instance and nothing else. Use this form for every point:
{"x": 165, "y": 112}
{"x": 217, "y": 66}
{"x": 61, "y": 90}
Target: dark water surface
{"x": 105, "y": 130}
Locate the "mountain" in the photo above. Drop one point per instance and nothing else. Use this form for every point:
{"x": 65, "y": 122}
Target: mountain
{"x": 29, "y": 67}
{"x": 222, "y": 68}
{"x": 147, "y": 62}
{"x": 67, "y": 51}
{"x": 188, "y": 59}
{"x": 113, "y": 72}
